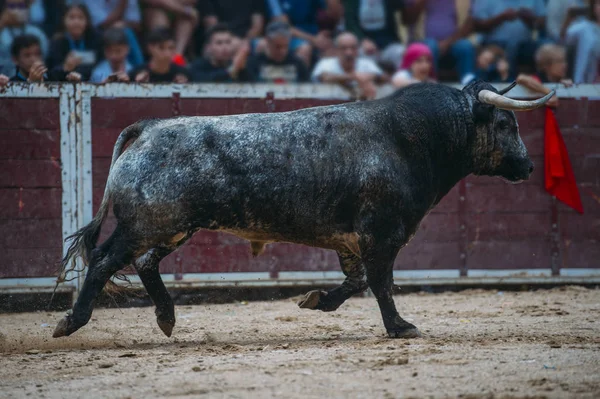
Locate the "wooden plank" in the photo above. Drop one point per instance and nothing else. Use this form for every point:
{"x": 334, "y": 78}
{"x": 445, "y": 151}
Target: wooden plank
{"x": 507, "y": 226}
{"x": 593, "y": 113}
{"x": 29, "y": 113}
{"x": 29, "y": 173}
{"x": 531, "y": 119}
{"x": 205, "y": 106}
{"x": 574, "y": 226}
{"x": 438, "y": 227}
{"x": 103, "y": 141}
{"x": 581, "y": 254}
{"x": 100, "y": 168}
{"x": 428, "y": 256}
{"x": 532, "y": 253}
{"x": 28, "y": 203}
{"x": 29, "y": 144}
{"x": 449, "y": 203}
{"x": 502, "y": 197}
{"x": 30, "y": 262}
{"x": 24, "y": 233}
{"x": 121, "y": 112}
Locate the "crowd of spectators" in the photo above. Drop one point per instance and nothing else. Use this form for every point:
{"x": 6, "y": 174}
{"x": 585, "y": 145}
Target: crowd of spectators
{"x": 355, "y": 43}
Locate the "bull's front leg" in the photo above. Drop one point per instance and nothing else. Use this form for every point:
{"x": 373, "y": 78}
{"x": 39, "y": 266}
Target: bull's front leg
{"x": 147, "y": 267}
{"x": 378, "y": 255}
{"x": 354, "y": 283}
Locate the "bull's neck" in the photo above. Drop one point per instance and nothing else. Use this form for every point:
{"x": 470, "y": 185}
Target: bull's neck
{"x": 447, "y": 140}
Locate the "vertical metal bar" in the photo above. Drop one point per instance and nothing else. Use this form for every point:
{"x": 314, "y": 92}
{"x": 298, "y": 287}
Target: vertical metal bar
{"x": 462, "y": 220}
{"x": 270, "y": 101}
{"x": 176, "y": 102}
{"x": 68, "y": 156}
{"x": 555, "y": 259}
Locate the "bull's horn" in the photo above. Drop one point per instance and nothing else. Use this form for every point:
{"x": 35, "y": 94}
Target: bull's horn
{"x": 489, "y": 97}
{"x": 508, "y": 88}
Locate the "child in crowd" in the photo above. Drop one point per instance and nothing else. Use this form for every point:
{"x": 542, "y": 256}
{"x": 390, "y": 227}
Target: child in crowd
{"x": 416, "y": 67}
{"x": 115, "y": 67}
{"x": 551, "y": 63}
{"x": 76, "y": 47}
{"x": 26, "y": 52}
{"x": 160, "y": 68}
{"x": 492, "y": 65}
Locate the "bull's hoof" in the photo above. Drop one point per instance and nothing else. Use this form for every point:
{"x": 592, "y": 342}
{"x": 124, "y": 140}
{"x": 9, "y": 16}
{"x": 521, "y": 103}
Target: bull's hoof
{"x": 311, "y": 299}
{"x": 166, "y": 326}
{"x": 65, "y": 327}
{"x": 411, "y": 332}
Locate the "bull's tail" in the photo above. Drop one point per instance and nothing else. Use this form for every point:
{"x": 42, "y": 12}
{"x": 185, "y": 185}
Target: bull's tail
{"x": 84, "y": 240}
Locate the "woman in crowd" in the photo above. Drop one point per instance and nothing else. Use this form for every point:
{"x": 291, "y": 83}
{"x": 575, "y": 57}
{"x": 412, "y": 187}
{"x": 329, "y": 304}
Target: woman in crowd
{"x": 416, "y": 67}
{"x": 76, "y": 47}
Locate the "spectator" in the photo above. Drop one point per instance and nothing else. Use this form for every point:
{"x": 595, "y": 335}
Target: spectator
{"x": 119, "y": 14}
{"x": 348, "y": 69}
{"x": 278, "y": 64}
{"x": 179, "y": 15}
{"x": 160, "y": 68}
{"x": 445, "y": 37}
{"x": 560, "y": 14}
{"x": 246, "y": 19}
{"x": 220, "y": 63}
{"x": 14, "y": 21}
{"x": 417, "y": 66}
{"x": 374, "y": 23}
{"x": 303, "y": 15}
{"x": 584, "y": 37}
{"x": 76, "y": 47}
{"x": 551, "y": 62}
{"x": 26, "y": 51}
{"x": 4, "y": 80}
{"x": 115, "y": 66}
{"x": 510, "y": 25}
{"x": 491, "y": 64}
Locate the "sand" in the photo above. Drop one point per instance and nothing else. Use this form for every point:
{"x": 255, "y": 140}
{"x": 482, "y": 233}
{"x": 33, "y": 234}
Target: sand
{"x": 476, "y": 343}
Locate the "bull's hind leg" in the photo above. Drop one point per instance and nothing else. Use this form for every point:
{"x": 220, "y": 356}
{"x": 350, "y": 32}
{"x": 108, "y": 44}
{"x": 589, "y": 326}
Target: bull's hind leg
{"x": 107, "y": 259}
{"x": 354, "y": 283}
{"x": 378, "y": 255}
{"x": 147, "y": 267}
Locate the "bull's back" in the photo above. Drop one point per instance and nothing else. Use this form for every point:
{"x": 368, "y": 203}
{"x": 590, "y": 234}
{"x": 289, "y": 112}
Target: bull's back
{"x": 291, "y": 170}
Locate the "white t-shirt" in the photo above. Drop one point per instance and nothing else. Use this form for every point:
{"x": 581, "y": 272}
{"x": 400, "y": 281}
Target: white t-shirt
{"x": 332, "y": 65}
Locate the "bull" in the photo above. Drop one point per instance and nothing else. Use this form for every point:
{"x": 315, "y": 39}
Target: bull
{"x": 357, "y": 178}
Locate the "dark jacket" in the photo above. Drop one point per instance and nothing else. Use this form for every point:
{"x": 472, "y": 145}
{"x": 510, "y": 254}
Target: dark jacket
{"x": 61, "y": 46}
{"x": 202, "y": 70}
{"x": 381, "y": 37}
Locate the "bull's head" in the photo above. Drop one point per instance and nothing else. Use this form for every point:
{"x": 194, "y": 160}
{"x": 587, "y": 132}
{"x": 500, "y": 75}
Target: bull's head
{"x": 497, "y": 148}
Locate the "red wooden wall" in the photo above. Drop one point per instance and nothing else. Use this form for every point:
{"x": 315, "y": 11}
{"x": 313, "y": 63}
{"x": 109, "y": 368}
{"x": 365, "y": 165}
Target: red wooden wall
{"x": 483, "y": 223}
{"x": 30, "y": 187}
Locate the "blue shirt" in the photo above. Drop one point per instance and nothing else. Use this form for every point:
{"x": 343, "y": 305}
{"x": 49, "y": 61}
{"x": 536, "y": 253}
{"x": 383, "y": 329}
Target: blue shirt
{"x": 514, "y": 30}
{"x": 302, "y": 14}
{"x": 103, "y": 70}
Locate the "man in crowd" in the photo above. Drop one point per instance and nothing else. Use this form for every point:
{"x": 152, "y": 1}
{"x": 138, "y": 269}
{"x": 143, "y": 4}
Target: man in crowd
{"x": 14, "y": 22}
{"x": 373, "y": 22}
{"x": 246, "y": 19}
{"x": 221, "y": 64}
{"x": 303, "y": 15}
{"x": 160, "y": 68}
{"x": 348, "y": 69}
{"x": 26, "y": 53}
{"x": 115, "y": 65}
{"x": 510, "y": 25}
{"x": 278, "y": 64}
{"x": 445, "y": 37}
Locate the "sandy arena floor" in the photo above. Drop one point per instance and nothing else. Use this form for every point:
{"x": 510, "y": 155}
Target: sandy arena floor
{"x": 477, "y": 344}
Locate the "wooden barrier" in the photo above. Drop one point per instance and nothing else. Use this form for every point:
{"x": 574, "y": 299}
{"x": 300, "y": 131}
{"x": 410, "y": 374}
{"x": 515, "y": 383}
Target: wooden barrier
{"x": 484, "y": 230}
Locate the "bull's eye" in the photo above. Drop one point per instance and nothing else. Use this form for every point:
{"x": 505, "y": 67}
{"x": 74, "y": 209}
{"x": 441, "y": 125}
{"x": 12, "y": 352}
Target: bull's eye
{"x": 503, "y": 124}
